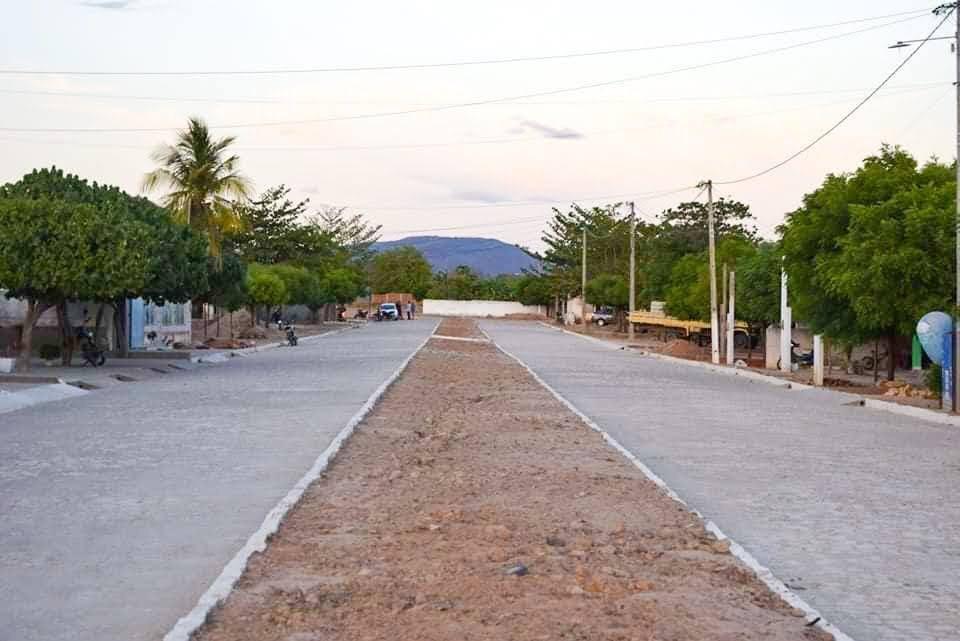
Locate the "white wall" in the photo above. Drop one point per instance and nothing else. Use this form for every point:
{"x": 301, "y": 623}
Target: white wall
{"x": 482, "y": 308}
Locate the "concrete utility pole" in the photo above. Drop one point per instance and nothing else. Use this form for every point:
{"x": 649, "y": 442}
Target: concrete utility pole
{"x": 712, "y": 247}
{"x": 723, "y": 312}
{"x": 731, "y": 320}
{"x": 786, "y": 325}
{"x": 956, "y": 334}
{"x": 633, "y": 270}
{"x": 583, "y": 283}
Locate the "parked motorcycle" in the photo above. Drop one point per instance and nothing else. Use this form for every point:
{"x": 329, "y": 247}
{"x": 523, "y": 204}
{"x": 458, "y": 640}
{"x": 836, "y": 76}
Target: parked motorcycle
{"x": 92, "y": 353}
{"x": 291, "y": 335}
{"x": 798, "y": 356}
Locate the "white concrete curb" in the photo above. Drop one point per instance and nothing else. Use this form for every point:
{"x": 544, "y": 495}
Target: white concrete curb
{"x": 220, "y": 357}
{"x": 762, "y": 572}
{"x": 42, "y": 393}
{"x": 918, "y": 413}
{"x": 223, "y": 584}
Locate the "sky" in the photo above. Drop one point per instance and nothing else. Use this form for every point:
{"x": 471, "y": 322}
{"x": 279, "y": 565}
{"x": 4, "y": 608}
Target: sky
{"x": 626, "y": 125}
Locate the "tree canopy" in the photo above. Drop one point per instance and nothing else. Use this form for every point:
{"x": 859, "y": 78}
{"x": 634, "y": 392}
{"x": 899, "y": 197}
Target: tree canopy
{"x": 401, "y": 270}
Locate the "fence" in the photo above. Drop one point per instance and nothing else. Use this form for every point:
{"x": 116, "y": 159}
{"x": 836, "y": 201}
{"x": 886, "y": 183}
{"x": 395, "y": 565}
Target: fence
{"x": 482, "y": 308}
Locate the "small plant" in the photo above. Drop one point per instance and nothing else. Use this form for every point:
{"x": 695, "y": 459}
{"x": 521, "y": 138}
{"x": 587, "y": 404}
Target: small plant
{"x": 933, "y": 379}
{"x": 49, "y": 352}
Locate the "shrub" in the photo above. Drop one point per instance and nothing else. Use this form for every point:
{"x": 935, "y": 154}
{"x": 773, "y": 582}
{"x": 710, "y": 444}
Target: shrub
{"x": 49, "y": 352}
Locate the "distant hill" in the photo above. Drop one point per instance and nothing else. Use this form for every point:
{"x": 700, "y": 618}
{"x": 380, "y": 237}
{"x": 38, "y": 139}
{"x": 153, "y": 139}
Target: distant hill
{"x": 487, "y": 256}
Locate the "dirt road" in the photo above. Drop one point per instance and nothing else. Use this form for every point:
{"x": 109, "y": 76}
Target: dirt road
{"x": 473, "y": 505}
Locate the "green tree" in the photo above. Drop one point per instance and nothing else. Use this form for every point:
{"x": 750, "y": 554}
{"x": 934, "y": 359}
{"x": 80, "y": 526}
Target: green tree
{"x": 610, "y": 290}
{"x": 176, "y": 270}
{"x": 401, "y": 270}
{"x": 688, "y": 295}
{"x": 533, "y": 289}
{"x": 683, "y": 231}
{"x": 203, "y": 180}
{"x": 264, "y": 289}
{"x": 758, "y": 289}
{"x": 52, "y": 251}
{"x": 869, "y": 253}
{"x": 272, "y": 230}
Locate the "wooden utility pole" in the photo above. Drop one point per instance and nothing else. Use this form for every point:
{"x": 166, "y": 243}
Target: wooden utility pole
{"x": 633, "y": 270}
{"x": 712, "y": 250}
{"x": 583, "y": 282}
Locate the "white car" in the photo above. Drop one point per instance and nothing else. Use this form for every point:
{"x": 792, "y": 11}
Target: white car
{"x": 388, "y": 311}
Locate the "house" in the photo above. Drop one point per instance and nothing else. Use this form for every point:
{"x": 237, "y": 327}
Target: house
{"x": 150, "y": 325}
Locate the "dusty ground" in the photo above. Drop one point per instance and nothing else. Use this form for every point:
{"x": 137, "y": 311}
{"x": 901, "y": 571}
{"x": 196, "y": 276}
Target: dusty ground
{"x": 473, "y": 505}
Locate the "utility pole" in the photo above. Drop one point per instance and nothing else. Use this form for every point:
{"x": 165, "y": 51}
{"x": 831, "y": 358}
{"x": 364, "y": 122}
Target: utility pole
{"x": 633, "y": 270}
{"x": 956, "y": 335}
{"x": 712, "y": 245}
{"x": 732, "y": 320}
{"x": 583, "y": 283}
{"x": 723, "y": 312}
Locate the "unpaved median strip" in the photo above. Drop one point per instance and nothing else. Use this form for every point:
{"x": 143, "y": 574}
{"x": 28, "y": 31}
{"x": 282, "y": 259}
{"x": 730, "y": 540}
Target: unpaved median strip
{"x": 472, "y": 504}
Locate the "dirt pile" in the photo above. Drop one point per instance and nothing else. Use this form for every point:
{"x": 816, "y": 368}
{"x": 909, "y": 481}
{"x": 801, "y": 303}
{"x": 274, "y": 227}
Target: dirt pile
{"x": 903, "y": 389}
{"x": 681, "y": 348}
{"x": 471, "y": 504}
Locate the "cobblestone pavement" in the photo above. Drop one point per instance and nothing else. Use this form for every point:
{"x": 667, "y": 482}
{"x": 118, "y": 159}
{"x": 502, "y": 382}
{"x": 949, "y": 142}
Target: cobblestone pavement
{"x": 119, "y": 508}
{"x": 857, "y": 510}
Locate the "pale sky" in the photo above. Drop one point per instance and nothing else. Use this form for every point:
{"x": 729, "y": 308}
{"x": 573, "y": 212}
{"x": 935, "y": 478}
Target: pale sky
{"x": 430, "y": 170}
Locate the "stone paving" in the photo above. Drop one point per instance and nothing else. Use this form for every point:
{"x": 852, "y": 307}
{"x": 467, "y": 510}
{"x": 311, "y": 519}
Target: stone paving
{"x": 857, "y": 510}
{"x": 120, "y": 507}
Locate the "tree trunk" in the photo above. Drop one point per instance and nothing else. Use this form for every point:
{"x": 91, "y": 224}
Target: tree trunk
{"x": 98, "y": 324}
{"x": 891, "y": 356}
{"x": 34, "y": 309}
{"x": 67, "y": 336}
{"x": 120, "y": 327}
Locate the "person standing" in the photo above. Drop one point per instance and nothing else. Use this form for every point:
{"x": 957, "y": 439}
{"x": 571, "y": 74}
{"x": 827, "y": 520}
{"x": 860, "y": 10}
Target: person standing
{"x": 411, "y": 308}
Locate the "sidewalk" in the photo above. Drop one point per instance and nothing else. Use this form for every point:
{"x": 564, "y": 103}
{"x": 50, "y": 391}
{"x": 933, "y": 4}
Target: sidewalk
{"x": 44, "y": 383}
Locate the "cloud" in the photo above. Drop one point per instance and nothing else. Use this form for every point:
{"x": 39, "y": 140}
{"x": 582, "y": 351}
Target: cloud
{"x": 477, "y": 195}
{"x": 110, "y": 4}
{"x": 551, "y": 132}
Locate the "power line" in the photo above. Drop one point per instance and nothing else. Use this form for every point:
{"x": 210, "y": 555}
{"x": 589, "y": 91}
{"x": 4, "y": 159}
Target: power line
{"x": 459, "y": 63}
{"x": 475, "y": 103}
{"x": 291, "y": 102}
{"x": 892, "y": 92}
{"x": 847, "y": 116}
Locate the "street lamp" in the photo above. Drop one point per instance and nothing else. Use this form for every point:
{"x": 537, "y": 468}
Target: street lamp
{"x": 945, "y": 8}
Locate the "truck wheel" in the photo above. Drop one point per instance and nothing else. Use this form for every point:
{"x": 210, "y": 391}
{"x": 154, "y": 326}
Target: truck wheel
{"x": 601, "y": 322}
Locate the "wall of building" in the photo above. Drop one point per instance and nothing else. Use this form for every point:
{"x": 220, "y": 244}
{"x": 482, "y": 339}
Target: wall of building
{"x": 480, "y": 308}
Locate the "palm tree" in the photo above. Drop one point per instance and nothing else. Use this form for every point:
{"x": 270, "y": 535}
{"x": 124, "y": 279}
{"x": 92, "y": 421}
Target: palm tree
{"x": 203, "y": 181}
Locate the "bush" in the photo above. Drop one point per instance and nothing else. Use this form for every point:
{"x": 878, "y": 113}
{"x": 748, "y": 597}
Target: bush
{"x": 933, "y": 378}
{"x": 49, "y": 352}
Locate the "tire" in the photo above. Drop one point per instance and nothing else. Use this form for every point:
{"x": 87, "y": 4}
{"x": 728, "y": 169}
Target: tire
{"x": 868, "y": 363}
{"x": 740, "y": 341}
{"x": 601, "y": 322}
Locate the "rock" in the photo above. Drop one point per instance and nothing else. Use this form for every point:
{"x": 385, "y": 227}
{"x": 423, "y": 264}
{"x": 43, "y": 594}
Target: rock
{"x": 517, "y": 570}
{"x": 555, "y": 541}
{"x": 720, "y": 547}
{"x": 575, "y": 589}
{"x": 740, "y": 363}
{"x": 642, "y": 586}
{"x": 497, "y": 531}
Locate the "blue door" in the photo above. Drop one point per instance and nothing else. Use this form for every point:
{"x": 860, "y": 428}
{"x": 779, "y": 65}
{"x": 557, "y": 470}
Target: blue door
{"x": 136, "y": 323}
